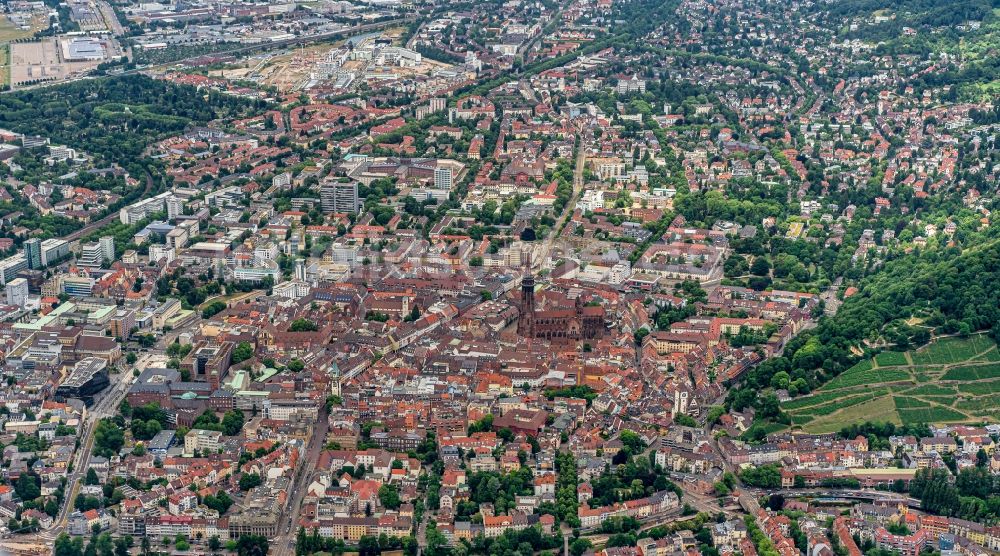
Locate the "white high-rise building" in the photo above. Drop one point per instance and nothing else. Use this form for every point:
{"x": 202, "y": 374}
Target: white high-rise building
{"x": 282, "y": 181}
{"x": 175, "y": 207}
{"x": 442, "y": 178}
{"x": 17, "y": 292}
{"x": 91, "y": 255}
{"x": 53, "y": 250}
{"x": 157, "y": 252}
{"x": 339, "y": 197}
{"x": 108, "y": 247}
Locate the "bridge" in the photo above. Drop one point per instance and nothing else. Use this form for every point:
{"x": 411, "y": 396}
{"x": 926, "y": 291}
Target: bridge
{"x": 846, "y": 494}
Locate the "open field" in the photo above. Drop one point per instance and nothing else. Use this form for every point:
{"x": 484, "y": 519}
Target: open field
{"x": 10, "y": 32}
{"x": 42, "y": 61}
{"x": 950, "y": 380}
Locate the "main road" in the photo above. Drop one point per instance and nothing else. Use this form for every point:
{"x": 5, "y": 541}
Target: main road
{"x": 284, "y": 543}
{"x": 538, "y": 263}
{"x": 106, "y": 405}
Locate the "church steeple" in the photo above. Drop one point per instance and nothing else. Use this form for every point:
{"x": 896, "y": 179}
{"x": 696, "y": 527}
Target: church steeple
{"x": 526, "y": 320}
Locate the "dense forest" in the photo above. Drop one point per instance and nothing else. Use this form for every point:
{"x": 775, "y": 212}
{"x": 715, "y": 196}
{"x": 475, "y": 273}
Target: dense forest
{"x": 933, "y": 13}
{"x": 950, "y": 292}
{"x": 116, "y": 118}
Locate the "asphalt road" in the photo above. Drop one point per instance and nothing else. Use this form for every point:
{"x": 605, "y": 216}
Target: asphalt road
{"x": 106, "y": 406}
{"x": 284, "y": 543}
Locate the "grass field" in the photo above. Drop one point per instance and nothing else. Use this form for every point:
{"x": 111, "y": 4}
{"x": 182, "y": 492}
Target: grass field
{"x": 10, "y": 32}
{"x": 950, "y": 380}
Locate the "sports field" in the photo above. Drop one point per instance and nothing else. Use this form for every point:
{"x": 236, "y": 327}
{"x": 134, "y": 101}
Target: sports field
{"x": 949, "y": 380}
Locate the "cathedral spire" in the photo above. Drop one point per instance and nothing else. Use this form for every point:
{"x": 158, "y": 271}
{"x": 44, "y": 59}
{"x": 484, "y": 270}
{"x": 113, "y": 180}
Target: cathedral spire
{"x": 526, "y": 320}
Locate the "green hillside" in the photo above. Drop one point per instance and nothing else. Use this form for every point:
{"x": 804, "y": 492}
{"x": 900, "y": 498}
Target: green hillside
{"x": 950, "y": 380}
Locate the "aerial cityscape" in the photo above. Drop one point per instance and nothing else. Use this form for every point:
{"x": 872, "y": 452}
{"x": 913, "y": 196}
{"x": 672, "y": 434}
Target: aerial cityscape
{"x": 499, "y": 277}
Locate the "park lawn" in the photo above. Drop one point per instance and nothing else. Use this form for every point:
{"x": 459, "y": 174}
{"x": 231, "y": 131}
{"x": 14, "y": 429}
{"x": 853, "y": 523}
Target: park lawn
{"x": 4, "y": 65}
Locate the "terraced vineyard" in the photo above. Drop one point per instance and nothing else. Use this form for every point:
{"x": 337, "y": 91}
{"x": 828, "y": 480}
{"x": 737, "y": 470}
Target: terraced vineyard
{"x": 949, "y": 380}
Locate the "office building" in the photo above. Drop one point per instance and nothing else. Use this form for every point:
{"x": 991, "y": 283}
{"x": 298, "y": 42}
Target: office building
{"x": 88, "y": 377}
{"x": 91, "y": 256}
{"x": 33, "y": 253}
{"x": 53, "y": 251}
{"x": 10, "y": 266}
{"x": 157, "y": 252}
{"x": 77, "y": 286}
{"x": 339, "y": 197}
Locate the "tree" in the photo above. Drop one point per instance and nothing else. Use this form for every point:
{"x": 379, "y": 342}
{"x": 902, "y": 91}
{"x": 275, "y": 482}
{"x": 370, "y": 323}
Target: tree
{"x": 51, "y": 507}
{"x": 388, "y": 494}
{"x": 213, "y": 309}
{"x": 84, "y": 503}
{"x": 242, "y": 352}
{"x": 92, "y": 478}
{"x": 760, "y": 266}
{"x": 249, "y": 481}
{"x": 685, "y": 420}
{"x": 68, "y": 546}
{"x": 303, "y": 325}
{"x": 232, "y": 422}
{"x": 28, "y": 486}
{"x": 765, "y": 476}
{"x": 579, "y": 546}
{"x": 220, "y": 502}
{"x": 108, "y": 438}
{"x": 368, "y": 545}
{"x": 252, "y": 545}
